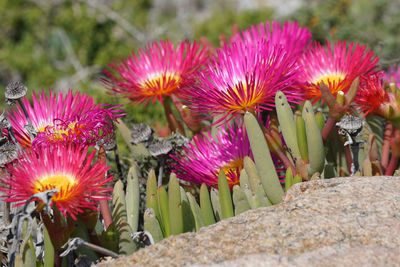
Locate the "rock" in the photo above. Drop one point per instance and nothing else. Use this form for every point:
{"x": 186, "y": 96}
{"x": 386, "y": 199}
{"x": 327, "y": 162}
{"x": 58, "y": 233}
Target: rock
{"x": 342, "y": 221}
{"x": 338, "y": 255}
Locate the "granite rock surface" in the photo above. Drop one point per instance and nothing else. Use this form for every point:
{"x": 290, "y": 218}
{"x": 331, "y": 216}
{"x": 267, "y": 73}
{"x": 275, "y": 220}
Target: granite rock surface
{"x": 352, "y": 221}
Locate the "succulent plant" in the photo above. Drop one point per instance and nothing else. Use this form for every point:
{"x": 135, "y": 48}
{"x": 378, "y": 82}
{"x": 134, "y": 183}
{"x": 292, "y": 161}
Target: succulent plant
{"x": 176, "y": 184}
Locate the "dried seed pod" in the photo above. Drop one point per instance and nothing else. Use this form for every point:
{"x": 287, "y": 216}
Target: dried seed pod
{"x": 351, "y": 125}
{"x": 160, "y": 147}
{"x": 109, "y": 144}
{"x": 15, "y": 90}
{"x": 140, "y": 133}
{"x": 8, "y": 152}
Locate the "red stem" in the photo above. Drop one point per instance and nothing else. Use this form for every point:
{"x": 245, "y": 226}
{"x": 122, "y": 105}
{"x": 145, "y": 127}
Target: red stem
{"x": 105, "y": 212}
{"x": 286, "y": 162}
{"x": 386, "y": 145}
{"x": 57, "y": 259}
{"x": 328, "y": 128}
{"x": 349, "y": 158}
{"x": 392, "y": 165}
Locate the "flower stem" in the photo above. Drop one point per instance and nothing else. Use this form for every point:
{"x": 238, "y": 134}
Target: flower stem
{"x": 349, "y": 158}
{"x": 286, "y": 162}
{"x": 161, "y": 172}
{"x": 173, "y": 124}
{"x": 190, "y": 119}
{"x": 25, "y": 112}
{"x": 104, "y": 208}
{"x": 57, "y": 259}
{"x": 119, "y": 168}
{"x": 29, "y": 127}
{"x": 105, "y": 212}
{"x": 392, "y": 165}
{"x": 328, "y": 128}
{"x": 386, "y": 144}
{"x": 355, "y": 148}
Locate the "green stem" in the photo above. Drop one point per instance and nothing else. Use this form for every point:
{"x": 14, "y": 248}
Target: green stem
{"x": 173, "y": 123}
{"x": 117, "y": 161}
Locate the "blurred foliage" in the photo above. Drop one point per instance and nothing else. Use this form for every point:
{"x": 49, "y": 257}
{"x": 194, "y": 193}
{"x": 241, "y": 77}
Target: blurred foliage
{"x": 220, "y": 22}
{"x": 66, "y": 44}
{"x": 375, "y": 23}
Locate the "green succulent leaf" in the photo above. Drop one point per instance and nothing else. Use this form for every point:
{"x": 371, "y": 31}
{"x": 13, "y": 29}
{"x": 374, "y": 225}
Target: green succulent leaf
{"x": 239, "y": 200}
{"x": 287, "y": 123}
{"x": 132, "y": 199}
{"x": 315, "y": 143}
{"x": 151, "y": 225}
{"x": 225, "y": 196}
{"x": 263, "y": 160}
{"x": 175, "y": 205}
{"x": 206, "y": 206}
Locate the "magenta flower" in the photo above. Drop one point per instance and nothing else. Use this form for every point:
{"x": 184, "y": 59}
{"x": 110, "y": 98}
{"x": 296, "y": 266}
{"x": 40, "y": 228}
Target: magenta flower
{"x": 156, "y": 71}
{"x": 335, "y": 65}
{"x": 244, "y": 77}
{"x": 290, "y": 35}
{"x": 70, "y": 119}
{"x": 80, "y": 181}
{"x": 201, "y": 160}
{"x": 393, "y": 73}
{"x": 373, "y": 98}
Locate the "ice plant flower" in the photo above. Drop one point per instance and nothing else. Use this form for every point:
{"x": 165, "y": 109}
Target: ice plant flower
{"x": 289, "y": 35}
{"x": 393, "y": 73}
{"x": 73, "y": 118}
{"x": 81, "y": 181}
{"x": 244, "y": 77}
{"x": 373, "y": 98}
{"x": 201, "y": 160}
{"x": 336, "y": 65}
{"x": 158, "y": 70}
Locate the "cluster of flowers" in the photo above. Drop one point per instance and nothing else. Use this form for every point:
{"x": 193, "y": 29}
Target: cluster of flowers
{"x": 243, "y": 76}
{"x": 52, "y": 138}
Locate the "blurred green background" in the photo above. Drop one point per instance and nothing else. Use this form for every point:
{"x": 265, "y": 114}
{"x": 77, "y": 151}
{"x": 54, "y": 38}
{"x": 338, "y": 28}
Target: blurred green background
{"x": 64, "y": 44}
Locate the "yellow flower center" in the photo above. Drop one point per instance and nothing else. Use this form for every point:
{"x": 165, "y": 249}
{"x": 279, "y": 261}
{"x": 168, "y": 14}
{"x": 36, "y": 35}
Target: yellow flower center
{"x": 233, "y": 167}
{"x": 161, "y": 84}
{"x": 332, "y": 78}
{"x": 64, "y": 183}
{"x": 244, "y": 101}
{"x": 58, "y": 132}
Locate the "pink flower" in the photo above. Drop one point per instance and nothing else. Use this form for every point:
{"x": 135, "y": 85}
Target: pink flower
{"x": 289, "y": 35}
{"x": 156, "y": 71}
{"x": 373, "y": 98}
{"x": 70, "y": 119}
{"x": 335, "y": 65}
{"x": 244, "y": 77}
{"x": 393, "y": 73}
{"x": 201, "y": 160}
{"x": 80, "y": 181}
